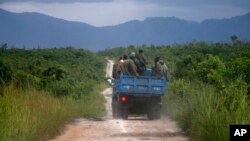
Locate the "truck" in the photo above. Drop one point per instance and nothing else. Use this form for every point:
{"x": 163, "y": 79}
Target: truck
{"x": 138, "y": 95}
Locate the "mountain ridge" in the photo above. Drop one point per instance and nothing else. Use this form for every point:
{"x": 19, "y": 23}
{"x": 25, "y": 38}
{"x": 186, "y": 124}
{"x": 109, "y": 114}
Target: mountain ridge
{"x": 34, "y": 29}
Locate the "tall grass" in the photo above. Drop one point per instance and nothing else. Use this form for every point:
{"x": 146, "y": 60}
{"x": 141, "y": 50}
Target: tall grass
{"x": 27, "y": 115}
{"x": 204, "y": 112}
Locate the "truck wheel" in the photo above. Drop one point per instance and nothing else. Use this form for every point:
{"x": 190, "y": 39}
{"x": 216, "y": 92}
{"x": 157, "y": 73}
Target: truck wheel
{"x": 157, "y": 114}
{"x": 123, "y": 111}
{"x": 154, "y": 112}
{"x": 151, "y": 114}
{"x": 114, "y": 111}
{"x": 114, "y": 108}
{"x": 124, "y": 114}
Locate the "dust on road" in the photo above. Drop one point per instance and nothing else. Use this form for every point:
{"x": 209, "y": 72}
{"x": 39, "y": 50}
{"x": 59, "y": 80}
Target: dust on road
{"x": 108, "y": 129}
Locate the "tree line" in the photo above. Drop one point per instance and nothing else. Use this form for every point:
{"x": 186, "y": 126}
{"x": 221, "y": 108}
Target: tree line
{"x": 62, "y": 71}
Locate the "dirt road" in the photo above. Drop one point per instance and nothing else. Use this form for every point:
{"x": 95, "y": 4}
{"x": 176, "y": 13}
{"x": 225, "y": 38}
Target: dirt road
{"x": 133, "y": 129}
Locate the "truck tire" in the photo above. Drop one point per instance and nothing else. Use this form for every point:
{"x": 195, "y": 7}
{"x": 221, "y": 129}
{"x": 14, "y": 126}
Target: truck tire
{"x": 114, "y": 71}
{"x": 157, "y": 113}
{"x": 154, "y": 108}
{"x": 150, "y": 116}
{"x": 154, "y": 113}
{"x": 115, "y": 113}
{"x": 124, "y": 114}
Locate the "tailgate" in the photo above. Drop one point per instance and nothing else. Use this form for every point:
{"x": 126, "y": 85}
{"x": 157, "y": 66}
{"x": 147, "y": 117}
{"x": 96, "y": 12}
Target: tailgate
{"x": 142, "y": 85}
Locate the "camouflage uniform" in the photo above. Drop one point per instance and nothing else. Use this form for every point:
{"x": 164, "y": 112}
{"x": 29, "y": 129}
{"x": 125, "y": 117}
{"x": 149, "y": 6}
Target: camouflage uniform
{"x": 160, "y": 69}
{"x": 130, "y": 67}
{"x": 114, "y": 71}
{"x": 142, "y": 62}
{"x": 137, "y": 64}
{"x": 119, "y": 68}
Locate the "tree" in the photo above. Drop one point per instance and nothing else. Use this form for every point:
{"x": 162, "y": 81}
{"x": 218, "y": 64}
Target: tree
{"x": 211, "y": 70}
{"x": 3, "y": 47}
{"x": 235, "y": 40}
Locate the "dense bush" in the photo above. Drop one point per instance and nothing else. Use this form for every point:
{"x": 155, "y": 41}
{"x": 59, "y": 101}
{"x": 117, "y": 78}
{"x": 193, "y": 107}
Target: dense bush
{"x": 5, "y": 74}
{"x": 40, "y": 89}
{"x": 58, "y": 70}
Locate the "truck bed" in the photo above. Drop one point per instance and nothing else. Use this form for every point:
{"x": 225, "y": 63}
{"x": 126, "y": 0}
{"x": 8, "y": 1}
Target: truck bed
{"x": 140, "y": 85}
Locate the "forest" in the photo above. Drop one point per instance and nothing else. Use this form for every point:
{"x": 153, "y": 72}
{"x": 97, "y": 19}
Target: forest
{"x": 208, "y": 88}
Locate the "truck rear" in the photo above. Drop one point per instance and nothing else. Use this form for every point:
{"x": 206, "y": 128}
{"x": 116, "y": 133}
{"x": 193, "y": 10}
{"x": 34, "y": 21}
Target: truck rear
{"x": 138, "y": 95}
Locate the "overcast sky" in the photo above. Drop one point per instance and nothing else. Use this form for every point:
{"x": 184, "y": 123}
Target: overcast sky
{"x": 112, "y": 12}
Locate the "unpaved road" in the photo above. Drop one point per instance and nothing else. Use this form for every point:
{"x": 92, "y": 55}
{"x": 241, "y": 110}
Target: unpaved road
{"x": 133, "y": 129}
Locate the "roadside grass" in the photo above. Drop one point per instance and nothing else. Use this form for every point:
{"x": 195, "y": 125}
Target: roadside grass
{"x": 204, "y": 112}
{"x": 92, "y": 104}
{"x": 27, "y": 115}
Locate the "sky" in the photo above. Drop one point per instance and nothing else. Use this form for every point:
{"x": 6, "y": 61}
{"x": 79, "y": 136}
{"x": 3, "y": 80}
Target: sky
{"x": 112, "y": 12}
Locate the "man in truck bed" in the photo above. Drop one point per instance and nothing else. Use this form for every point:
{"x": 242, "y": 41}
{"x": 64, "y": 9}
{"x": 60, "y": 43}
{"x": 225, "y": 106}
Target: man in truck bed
{"x": 130, "y": 67}
{"x": 160, "y": 69}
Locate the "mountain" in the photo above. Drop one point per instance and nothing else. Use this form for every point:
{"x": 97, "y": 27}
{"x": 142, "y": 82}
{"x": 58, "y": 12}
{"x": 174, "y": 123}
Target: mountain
{"x": 33, "y": 29}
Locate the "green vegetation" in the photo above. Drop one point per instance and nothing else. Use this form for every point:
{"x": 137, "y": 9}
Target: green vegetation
{"x": 41, "y": 89}
{"x": 209, "y": 86}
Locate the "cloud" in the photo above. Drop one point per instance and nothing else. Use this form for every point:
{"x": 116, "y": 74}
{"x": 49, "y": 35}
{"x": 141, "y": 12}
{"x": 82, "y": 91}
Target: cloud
{"x": 112, "y": 12}
{"x": 54, "y": 1}
{"x": 95, "y": 13}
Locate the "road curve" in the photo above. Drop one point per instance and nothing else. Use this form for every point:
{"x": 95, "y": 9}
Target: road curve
{"x": 108, "y": 129}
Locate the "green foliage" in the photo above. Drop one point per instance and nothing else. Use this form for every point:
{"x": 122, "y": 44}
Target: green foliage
{"x": 5, "y": 74}
{"x": 211, "y": 70}
{"x": 215, "y": 64}
{"x": 43, "y": 88}
{"x": 53, "y": 74}
{"x": 27, "y": 115}
{"x": 186, "y": 65}
{"x": 60, "y": 89}
{"x": 240, "y": 67}
{"x": 58, "y": 70}
{"x": 24, "y": 80}
{"x": 203, "y": 112}
{"x": 209, "y": 87}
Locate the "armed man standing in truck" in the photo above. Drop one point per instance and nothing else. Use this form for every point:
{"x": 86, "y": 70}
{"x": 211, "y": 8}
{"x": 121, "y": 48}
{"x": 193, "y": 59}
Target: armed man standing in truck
{"x": 142, "y": 62}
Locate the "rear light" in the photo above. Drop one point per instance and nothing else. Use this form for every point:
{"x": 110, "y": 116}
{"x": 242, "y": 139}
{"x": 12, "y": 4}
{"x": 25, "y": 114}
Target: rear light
{"x": 124, "y": 99}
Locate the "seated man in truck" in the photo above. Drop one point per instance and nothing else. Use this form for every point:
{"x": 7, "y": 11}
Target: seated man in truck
{"x": 160, "y": 69}
{"x": 119, "y": 67}
{"x": 122, "y": 65}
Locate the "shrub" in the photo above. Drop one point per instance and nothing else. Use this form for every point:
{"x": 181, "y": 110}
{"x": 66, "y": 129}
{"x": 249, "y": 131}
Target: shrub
{"x": 211, "y": 70}
{"x": 24, "y": 80}
{"x": 5, "y": 74}
{"x": 203, "y": 112}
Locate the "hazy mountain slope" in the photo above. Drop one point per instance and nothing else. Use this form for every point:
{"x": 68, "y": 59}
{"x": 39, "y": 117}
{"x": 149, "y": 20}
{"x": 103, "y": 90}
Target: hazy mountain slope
{"x": 34, "y": 29}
